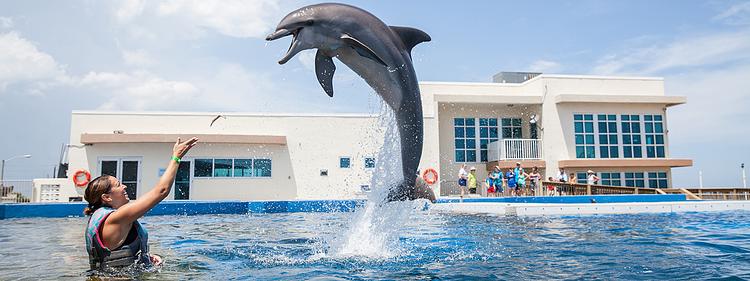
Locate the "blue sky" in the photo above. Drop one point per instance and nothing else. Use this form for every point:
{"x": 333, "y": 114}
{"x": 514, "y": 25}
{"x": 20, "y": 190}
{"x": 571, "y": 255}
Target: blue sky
{"x": 58, "y": 56}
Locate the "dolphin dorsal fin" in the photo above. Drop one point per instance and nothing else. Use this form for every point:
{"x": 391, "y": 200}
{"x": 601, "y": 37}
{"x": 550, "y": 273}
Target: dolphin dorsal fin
{"x": 362, "y": 49}
{"x": 410, "y": 36}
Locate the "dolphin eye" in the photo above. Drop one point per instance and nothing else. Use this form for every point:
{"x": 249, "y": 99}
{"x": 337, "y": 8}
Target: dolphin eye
{"x": 309, "y": 22}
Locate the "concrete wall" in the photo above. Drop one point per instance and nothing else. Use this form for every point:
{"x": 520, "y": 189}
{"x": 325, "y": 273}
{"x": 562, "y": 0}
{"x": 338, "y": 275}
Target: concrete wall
{"x": 314, "y": 142}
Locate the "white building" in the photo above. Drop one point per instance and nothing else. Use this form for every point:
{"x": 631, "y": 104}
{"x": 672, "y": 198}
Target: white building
{"x": 615, "y": 126}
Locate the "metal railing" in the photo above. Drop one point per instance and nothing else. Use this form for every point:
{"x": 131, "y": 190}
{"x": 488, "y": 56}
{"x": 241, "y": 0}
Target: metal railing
{"x": 515, "y": 149}
{"x": 16, "y": 191}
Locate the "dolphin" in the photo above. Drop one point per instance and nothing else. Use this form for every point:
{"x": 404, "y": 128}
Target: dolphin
{"x": 378, "y": 53}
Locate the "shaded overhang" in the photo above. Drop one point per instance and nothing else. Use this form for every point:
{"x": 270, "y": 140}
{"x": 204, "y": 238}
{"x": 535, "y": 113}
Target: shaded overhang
{"x": 171, "y": 138}
{"x": 625, "y": 163}
{"x": 631, "y": 99}
{"x": 506, "y": 164}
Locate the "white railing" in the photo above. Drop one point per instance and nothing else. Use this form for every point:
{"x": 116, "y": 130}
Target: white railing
{"x": 512, "y": 149}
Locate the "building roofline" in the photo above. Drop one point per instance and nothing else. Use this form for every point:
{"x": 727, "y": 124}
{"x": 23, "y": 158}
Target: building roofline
{"x": 542, "y": 76}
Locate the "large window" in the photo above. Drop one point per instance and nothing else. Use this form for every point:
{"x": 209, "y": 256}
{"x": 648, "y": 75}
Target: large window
{"x": 654, "y": 127}
{"x": 635, "y": 179}
{"x": 584, "y": 135}
{"x": 657, "y": 180}
{"x": 511, "y": 128}
{"x": 465, "y": 139}
{"x": 225, "y": 168}
{"x": 607, "y": 125}
{"x": 631, "y": 136}
{"x": 487, "y": 134}
{"x": 611, "y": 179}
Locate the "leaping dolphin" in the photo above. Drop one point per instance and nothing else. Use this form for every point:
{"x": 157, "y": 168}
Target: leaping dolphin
{"x": 378, "y": 53}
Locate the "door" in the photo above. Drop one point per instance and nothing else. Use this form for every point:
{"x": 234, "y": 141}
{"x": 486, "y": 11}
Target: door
{"x": 182, "y": 181}
{"x": 127, "y": 170}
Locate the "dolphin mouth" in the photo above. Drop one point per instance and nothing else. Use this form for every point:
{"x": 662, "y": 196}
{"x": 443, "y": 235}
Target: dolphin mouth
{"x": 294, "y": 48}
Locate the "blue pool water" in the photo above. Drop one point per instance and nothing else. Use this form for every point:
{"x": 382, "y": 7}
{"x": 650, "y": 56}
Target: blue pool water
{"x": 293, "y": 246}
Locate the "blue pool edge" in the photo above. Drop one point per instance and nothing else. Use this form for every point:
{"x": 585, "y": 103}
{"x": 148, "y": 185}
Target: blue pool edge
{"x": 75, "y": 209}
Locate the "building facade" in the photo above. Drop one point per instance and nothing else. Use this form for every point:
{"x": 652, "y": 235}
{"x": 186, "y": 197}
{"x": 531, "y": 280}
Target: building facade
{"x": 616, "y": 126}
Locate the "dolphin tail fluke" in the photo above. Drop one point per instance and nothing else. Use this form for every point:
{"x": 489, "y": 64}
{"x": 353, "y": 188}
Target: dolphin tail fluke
{"x": 406, "y": 191}
{"x": 324, "y": 69}
{"x": 410, "y": 36}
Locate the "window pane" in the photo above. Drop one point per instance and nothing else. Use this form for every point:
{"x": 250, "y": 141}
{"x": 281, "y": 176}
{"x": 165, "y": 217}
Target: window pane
{"x": 517, "y": 133}
{"x": 577, "y": 117}
{"x": 458, "y": 121}
{"x": 493, "y": 122}
{"x": 590, "y": 152}
{"x": 459, "y": 132}
{"x": 579, "y": 127}
{"x": 660, "y": 152}
{"x": 370, "y": 162}
{"x": 344, "y": 162}
{"x": 222, "y": 167}
{"x": 579, "y": 139}
{"x": 460, "y": 156}
{"x": 516, "y": 122}
{"x": 460, "y": 143}
{"x": 507, "y": 133}
{"x": 262, "y": 167}
{"x": 471, "y": 156}
{"x": 484, "y": 132}
{"x": 470, "y": 122}
{"x": 659, "y": 128}
{"x": 471, "y": 133}
{"x": 580, "y": 153}
{"x": 603, "y": 152}
{"x": 471, "y": 143}
{"x": 243, "y": 167}
{"x": 493, "y": 133}
{"x": 589, "y": 127}
{"x": 483, "y": 122}
{"x": 589, "y": 139}
{"x": 203, "y": 167}
{"x": 109, "y": 168}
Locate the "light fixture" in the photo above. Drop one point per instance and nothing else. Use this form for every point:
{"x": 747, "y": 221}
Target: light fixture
{"x": 532, "y": 119}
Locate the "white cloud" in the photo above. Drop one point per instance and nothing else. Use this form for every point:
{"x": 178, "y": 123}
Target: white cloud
{"x": 21, "y": 61}
{"x": 307, "y": 58}
{"x": 236, "y": 18}
{"x": 6, "y": 23}
{"x": 129, "y": 9}
{"x": 137, "y": 58}
{"x": 697, "y": 51}
{"x": 139, "y": 90}
{"x": 545, "y": 66}
{"x": 716, "y": 107}
{"x": 738, "y": 14}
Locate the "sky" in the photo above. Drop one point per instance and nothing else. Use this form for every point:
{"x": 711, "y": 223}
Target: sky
{"x": 205, "y": 55}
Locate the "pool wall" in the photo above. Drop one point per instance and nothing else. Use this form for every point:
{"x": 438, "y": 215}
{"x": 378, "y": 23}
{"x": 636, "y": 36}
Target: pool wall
{"x": 57, "y": 210}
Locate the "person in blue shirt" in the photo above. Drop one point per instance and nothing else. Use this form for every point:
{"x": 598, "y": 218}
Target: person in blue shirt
{"x": 498, "y": 176}
{"x": 511, "y": 178}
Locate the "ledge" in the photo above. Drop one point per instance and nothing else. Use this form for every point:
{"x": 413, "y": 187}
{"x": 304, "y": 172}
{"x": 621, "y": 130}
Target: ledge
{"x": 170, "y": 138}
{"x": 526, "y": 164}
{"x": 641, "y": 99}
{"x": 624, "y": 163}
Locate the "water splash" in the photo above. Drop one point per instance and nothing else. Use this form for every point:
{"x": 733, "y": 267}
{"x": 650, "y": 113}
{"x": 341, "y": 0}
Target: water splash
{"x": 373, "y": 231}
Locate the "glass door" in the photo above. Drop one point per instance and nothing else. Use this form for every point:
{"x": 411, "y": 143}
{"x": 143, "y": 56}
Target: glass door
{"x": 182, "y": 181}
{"x": 127, "y": 170}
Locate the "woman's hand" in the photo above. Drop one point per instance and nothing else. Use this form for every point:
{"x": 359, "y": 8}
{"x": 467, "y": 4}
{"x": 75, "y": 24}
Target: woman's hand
{"x": 182, "y": 148}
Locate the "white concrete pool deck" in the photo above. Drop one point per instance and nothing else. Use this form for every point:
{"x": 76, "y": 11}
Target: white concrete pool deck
{"x": 553, "y": 209}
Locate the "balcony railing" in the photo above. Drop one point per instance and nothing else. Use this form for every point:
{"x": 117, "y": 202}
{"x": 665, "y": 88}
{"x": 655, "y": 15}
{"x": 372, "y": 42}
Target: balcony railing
{"x": 514, "y": 149}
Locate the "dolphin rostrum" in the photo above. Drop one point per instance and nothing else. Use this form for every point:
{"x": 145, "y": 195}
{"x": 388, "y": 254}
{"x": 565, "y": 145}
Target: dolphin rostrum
{"x": 378, "y": 53}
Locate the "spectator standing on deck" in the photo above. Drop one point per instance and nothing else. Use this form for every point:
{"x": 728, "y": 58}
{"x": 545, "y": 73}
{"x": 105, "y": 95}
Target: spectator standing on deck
{"x": 591, "y": 177}
{"x": 499, "y": 186}
{"x": 562, "y": 176}
{"x": 462, "y": 177}
{"x": 534, "y": 179}
{"x": 472, "y": 180}
{"x": 512, "y": 184}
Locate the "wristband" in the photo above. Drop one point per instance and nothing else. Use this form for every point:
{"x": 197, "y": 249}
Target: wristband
{"x": 176, "y": 159}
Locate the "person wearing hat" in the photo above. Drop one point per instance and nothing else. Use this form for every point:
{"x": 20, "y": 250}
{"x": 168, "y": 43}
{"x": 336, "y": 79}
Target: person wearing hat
{"x": 472, "y": 180}
{"x": 591, "y": 177}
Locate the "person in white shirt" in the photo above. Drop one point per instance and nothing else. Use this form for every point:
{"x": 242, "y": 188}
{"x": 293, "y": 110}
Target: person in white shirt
{"x": 591, "y": 177}
{"x": 462, "y": 177}
{"x": 561, "y": 176}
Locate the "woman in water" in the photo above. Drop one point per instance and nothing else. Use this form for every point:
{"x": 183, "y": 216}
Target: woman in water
{"x": 114, "y": 238}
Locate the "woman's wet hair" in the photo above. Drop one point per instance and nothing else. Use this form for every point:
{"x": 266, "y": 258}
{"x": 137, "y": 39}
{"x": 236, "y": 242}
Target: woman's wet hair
{"x": 93, "y": 194}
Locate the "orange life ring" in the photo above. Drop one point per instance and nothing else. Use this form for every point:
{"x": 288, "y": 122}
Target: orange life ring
{"x": 76, "y": 178}
{"x": 430, "y": 176}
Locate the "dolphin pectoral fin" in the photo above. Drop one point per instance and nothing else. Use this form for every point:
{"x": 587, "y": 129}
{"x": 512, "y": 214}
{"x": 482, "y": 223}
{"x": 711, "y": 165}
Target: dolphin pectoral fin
{"x": 410, "y": 36}
{"x": 324, "y": 69}
{"x": 362, "y": 49}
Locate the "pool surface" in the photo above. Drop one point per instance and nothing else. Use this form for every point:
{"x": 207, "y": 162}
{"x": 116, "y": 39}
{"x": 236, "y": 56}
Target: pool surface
{"x": 430, "y": 245}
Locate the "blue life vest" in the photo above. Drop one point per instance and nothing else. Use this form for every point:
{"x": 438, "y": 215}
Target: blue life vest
{"x": 133, "y": 250}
